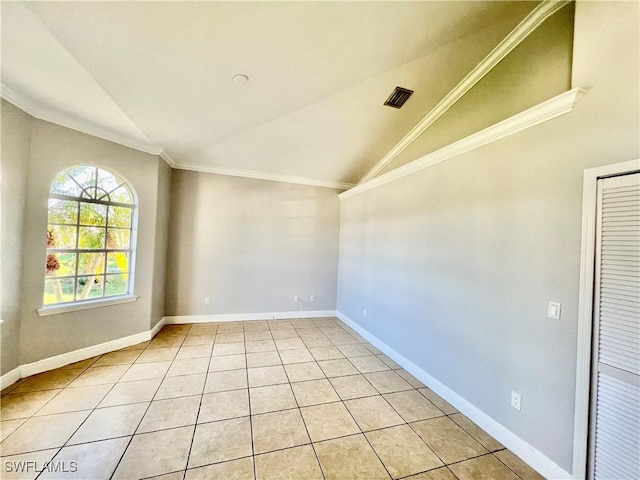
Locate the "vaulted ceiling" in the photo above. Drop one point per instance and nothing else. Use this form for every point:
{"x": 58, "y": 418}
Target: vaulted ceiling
{"x": 158, "y": 75}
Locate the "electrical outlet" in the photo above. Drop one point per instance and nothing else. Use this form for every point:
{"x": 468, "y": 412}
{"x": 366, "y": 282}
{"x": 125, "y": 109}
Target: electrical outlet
{"x": 553, "y": 310}
{"x": 312, "y": 298}
{"x": 364, "y": 313}
{"x": 206, "y": 300}
{"x": 516, "y": 400}
{"x": 296, "y": 298}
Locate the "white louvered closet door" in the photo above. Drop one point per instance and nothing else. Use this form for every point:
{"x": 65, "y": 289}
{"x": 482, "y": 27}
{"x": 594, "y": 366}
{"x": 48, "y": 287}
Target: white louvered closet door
{"x": 615, "y": 410}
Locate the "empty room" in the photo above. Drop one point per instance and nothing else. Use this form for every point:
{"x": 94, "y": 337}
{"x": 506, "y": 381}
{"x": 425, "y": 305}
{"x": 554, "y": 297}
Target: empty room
{"x": 325, "y": 240}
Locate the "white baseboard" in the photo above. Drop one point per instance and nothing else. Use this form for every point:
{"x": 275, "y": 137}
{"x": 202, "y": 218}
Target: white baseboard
{"x": 243, "y": 317}
{"x": 540, "y": 462}
{"x": 58, "y": 361}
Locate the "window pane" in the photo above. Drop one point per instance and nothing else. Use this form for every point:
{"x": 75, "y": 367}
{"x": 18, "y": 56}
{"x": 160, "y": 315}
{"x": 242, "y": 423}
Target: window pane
{"x": 107, "y": 181}
{"x": 90, "y": 263}
{"x": 118, "y": 238}
{"x": 91, "y": 237}
{"x": 58, "y": 290}
{"x": 116, "y": 285}
{"x": 120, "y": 216}
{"x": 63, "y": 211}
{"x": 93, "y": 214}
{"x": 84, "y": 175}
{"x": 89, "y": 287}
{"x": 63, "y": 185}
{"x": 61, "y": 237}
{"x": 60, "y": 264}
{"x": 122, "y": 195}
{"x": 117, "y": 262}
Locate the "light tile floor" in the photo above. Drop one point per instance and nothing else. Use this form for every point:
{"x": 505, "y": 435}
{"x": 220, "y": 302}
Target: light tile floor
{"x": 299, "y": 400}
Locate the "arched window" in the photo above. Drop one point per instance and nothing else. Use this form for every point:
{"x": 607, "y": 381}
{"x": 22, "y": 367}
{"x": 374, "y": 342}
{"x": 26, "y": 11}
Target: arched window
{"x": 89, "y": 236}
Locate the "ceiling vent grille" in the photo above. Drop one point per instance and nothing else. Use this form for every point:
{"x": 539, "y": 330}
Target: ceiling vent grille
{"x": 398, "y": 97}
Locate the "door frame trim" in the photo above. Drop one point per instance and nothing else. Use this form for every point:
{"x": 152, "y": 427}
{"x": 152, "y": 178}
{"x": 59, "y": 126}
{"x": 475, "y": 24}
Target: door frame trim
{"x": 585, "y": 308}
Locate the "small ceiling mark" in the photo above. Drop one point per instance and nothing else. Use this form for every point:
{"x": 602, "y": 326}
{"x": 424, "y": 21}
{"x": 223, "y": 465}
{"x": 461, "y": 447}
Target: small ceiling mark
{"x": 240, "y": 78}
{"x": 398, "y": 97}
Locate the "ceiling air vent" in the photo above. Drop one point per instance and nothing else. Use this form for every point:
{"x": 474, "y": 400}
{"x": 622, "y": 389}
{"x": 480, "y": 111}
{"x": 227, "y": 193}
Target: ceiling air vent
{"x": 398, "y": 97}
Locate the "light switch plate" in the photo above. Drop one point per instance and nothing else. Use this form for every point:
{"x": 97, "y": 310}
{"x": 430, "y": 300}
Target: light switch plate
{"x": 554, "y": 310}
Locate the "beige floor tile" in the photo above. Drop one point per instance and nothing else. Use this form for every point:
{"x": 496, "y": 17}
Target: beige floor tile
{"x": 165, "y": 342}
{"x": 369, "y": 364}
{"x": 230, "y": 327}
{"x": 289, "y": 344}
{"x": 51, "y": 380}
{"x": 257, "y": 336}
{"x": 31, "y": 436}
{"x": 75, "y": 399}
{"x": 261, "y": 376}
{"x": 220, "y": 349}
{"x": 220, "y": 441}
{"x": 256, "y": 325}
{"x": 16, "y": 467}
{"x": 412, "y": 406}
{"x": 325, "y": 353}
{"x": 330, "y": 420}
{"x": 448, "y": 440}
{"x": 145, "y": 371}
{"x": 300, "y": 372}
{"x": 438, "y": 401}
{"x": 131, "y": 392}
{"x": 181, "y": 386}
{"x": 282, "y": 333}
{"x": 235, "y": 337}
{"x": 291, "y": 464}
{"x": 137, "y": 346}
{"x": 100, "y": 375}
{"x": 387, "y": 381}
{"x": 373, "y": 412}
{"x": 227, "y": 362}
{"x": 260, "y": 346}
{"x": 23, "y": 405}
{"x": 314, "y": 392}
{"x": 442, "y": 473}
{"x": 203, "y": 329}
{"x": 9, "y": 426}
{"x": 194, "y": 351}
{"x": 354, "y": 386}
{"x": 224, "y": 405}
{"x": 170, "y": 413}
{"x": 95, "y": 460}
{"x": 298, "y": 355}
{"x": 188, "y": 366}
{"x": 262, "y": 359}
{"x": 193, "y": 340}
{"x": 521, "y": 468}
{"x": 120, "y": 357}
{"x": 372, "y": 349}
{"x": 169, "y": 476}
{"x": 486, "y": 467}
{"x": 226, "y": 380}
{"x": 350, "y": 458}
{"x": 317, "y": 341}
{"x": 158, "y": 355}
{"x": 354, "y": 350}
{"x": 84, "y": 363}
{"x": 271, "y": 398}
{"x": 110, "y": 422}
{"x": 413, "y": 381}
{"x": 337, "y": 368}
{"x": 278, "y": 430}
{"x": 476, "y": 432}
{"x": 241, "y": 469}
{"x": 390, "y": 363}
{"x": 402, "y": 451}
{"x": 155, "y": 453}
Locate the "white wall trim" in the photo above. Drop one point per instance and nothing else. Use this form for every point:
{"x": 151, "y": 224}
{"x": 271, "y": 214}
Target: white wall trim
{"x": 547, "y": 110}
{"x": 43, "y": 112}
{"x": 242, "y": 317}
{"x": 276, "y": 177}
{"x": 168, "y": 158}
{"x": 585, "y": 307}
{"x": 58, "y": 361}
{"x": 522, "y": 449}
{"x": 511, "y": 41}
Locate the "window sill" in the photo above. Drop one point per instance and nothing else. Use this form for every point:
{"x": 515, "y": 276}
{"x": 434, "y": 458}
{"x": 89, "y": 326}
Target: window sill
{"x": 73, "y": 307}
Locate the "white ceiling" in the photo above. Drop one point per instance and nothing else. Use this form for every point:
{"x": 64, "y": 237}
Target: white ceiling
{"x": 158, "y": 75}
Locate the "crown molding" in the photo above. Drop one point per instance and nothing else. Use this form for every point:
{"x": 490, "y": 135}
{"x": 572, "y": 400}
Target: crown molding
{"x": 552, "y": 108}
{"x": 168, "y": 158}
{"x": 265, "y": 176}
{"x": 49, "y": 114}
{"x": 511, "y": 41}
